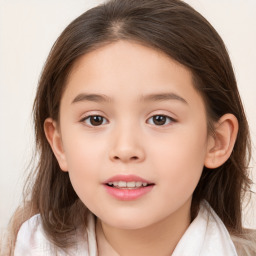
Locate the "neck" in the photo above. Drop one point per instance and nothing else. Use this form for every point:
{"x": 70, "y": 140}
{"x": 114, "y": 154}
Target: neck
{"x": 159, "y": 238}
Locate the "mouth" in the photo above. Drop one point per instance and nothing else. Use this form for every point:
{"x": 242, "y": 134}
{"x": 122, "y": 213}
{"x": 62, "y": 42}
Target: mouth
{"x": 128, "y": 187}
{"x": 129, "y": 184}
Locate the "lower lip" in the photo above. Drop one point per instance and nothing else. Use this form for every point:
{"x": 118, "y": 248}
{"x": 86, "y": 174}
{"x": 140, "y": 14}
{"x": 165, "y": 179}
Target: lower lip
{"x": 128, "y": 194}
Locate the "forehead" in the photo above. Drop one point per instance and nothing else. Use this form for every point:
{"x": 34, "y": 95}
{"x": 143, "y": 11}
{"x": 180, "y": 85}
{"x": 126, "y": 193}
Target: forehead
{"x": 129, "y": 69}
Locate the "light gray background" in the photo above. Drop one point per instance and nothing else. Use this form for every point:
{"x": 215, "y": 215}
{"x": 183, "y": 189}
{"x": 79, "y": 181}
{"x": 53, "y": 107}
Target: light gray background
{"x": 28, "y": 28}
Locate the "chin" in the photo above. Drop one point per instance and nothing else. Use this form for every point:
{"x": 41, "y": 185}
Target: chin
{"x": 128, "y": 221}
{"x": 131, "y": 225}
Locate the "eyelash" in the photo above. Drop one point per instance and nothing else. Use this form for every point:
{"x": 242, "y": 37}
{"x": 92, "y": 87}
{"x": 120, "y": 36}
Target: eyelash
{"x": 171, "y": 120}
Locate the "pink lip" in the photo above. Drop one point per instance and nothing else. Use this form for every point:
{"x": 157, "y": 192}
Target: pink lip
{"x": 127, "y": 194}
{"x": 126, "y": 178}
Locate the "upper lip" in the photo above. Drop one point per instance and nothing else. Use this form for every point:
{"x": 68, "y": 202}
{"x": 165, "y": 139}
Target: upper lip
{"x": 127, "y": 178}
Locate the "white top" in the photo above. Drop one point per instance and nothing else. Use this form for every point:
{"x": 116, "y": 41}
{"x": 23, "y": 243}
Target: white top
{"x": 206, "y": 236}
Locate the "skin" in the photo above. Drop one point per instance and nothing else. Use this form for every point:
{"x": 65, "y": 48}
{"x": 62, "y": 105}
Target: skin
{"x": 128, "y": 141}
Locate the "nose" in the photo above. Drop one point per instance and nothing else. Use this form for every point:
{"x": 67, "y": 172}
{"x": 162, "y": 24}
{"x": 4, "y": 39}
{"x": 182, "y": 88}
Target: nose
{"x": 126, "y": 146}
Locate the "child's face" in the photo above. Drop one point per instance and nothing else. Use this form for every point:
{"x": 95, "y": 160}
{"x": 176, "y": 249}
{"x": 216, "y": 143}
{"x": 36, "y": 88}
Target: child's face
{"x": 160, "y": 139}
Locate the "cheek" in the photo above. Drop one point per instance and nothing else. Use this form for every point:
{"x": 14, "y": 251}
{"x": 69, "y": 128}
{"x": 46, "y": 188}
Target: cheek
{"x": 82, "y": 156}
{"x": 83, "y": 152}
{"x": 179, "y": 161}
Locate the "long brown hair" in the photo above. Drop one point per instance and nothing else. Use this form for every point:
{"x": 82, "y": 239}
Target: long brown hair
{"x": 180, "y": 32}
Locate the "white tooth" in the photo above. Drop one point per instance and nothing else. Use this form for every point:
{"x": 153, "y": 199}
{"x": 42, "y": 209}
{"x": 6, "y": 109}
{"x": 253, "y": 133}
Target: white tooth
{"x": 131, "y": 184}
{"x": 115, "y": 183}
{"x": 144, "y": 184}
{"x": 122, "y": 184}
{"x": 110, "y": 183}
{"x": 138, "y": 184}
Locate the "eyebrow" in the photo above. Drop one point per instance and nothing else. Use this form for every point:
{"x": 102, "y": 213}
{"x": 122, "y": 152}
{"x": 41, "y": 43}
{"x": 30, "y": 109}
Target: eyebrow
{"x": 91, "y": 97}
{"x": 163, "y": 97}
{"x": 149, "y": 97}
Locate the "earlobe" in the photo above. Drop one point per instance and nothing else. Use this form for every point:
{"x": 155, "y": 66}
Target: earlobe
{"x": 221, "y": 144}
{"x": 54, "y": 139}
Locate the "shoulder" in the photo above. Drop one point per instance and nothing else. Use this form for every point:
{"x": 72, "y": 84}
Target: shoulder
{"x": 32, "y": 240}
{"x": 246, "y": 245}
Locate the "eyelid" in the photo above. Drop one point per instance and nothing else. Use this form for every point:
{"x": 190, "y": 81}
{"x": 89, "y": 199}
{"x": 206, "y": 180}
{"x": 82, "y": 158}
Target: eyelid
{"x": 89, "y": 113}
{"x": 160, "y": 112}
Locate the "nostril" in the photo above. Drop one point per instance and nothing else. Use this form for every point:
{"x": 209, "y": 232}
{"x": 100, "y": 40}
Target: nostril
{"x": 131, "y": 158}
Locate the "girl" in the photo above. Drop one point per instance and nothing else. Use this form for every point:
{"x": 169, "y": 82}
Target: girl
{"x": 143, "y": 141}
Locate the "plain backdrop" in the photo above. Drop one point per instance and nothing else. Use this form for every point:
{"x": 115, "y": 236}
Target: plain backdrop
{"x": 28, "y": 29}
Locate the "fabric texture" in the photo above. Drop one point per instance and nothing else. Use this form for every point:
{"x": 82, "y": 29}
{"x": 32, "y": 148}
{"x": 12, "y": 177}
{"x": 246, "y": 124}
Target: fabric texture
{"x": 206, "y": 236}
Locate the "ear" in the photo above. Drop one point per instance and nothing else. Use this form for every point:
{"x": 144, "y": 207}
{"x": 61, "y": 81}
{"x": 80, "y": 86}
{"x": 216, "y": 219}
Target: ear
{"x": 53, "y": 136}
{"x": 221, "y": 143}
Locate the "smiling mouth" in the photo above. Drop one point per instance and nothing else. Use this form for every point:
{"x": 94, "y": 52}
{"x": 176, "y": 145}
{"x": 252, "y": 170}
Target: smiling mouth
{"x": 128, "y": 185}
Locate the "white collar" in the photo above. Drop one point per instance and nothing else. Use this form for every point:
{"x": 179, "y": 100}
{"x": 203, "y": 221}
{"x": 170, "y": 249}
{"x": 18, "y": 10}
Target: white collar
{"x": 206, "y": 236}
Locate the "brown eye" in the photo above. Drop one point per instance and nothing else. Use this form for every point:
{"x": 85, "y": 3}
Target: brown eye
{"x": 160, "y": 120}
{"x": 94, "y": 120}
